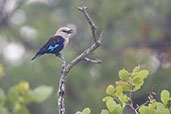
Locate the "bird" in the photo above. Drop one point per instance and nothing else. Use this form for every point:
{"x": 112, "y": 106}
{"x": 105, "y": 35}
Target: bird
{"x": 56, "y": 42}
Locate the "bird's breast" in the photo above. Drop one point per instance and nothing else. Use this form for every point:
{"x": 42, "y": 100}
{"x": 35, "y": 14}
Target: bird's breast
{"x": 66, "y": 42}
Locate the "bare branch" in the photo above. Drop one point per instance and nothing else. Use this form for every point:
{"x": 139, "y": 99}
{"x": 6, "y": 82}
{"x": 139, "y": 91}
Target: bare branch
{"x": 150, "y": 97}
{"x": 130, "y": 95}
{"x": 96, "y": 61}
{"x": 132, "y": 107}
{"x": 85, "y": 53}
{"x": 61, "y": 89}
{"x": 83, "y": 56}
{"x": 136, "y": 109}
{"x": 142, "y": 105}
{"x": 83, "y": 9}
{"x": 62, "y": 60}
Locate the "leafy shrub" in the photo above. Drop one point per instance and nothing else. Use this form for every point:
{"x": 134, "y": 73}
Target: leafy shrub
{"x": 19, "y": 95}
{"x": 120, "y": 95}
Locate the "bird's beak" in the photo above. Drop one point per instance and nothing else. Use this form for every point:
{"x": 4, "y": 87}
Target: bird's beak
{"x": 70, "y": 31}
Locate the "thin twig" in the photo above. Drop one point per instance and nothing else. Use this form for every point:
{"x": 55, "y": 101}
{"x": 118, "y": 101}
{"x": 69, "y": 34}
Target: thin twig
{"x": 96, "y": 61}
{"x": 142, "y": 105}
{"x": 130, "y": 95}
{"x": 132, "y": 107}
{"x": 151, "y": 96}
{"x": 76, "y": 60}
{"x": 130, "y": 104}
{"x": 82, "y": 55}
{"x": 83, "y": 9}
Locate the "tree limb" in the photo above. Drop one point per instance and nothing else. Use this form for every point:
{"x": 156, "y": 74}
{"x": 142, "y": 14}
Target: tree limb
{"x": 83, "y": 9}
{"x": 61, "y": 89}
{"x": 66, "y": 68}
{"x": 96, "y": 61}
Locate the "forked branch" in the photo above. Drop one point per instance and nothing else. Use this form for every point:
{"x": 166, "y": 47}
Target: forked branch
{"x": 83, "y": 56}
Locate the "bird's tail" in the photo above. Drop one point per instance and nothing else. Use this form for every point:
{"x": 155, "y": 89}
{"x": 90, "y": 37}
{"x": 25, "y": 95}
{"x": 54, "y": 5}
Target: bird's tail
{"x": 36, "y": 56}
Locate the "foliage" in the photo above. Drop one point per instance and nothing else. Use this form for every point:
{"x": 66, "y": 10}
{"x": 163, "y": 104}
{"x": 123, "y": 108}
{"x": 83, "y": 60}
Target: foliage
{"x": 120, "y": 95}
{"x": 127, "y": 24}
{"x": 85, "y": 111}
{"x": 19, "y": 95}
{"x": 1, "y": 71}
{"x": 155, "y": 107}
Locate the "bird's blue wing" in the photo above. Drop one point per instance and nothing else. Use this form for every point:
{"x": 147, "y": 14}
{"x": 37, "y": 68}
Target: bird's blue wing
{"x": 54, "y": 45}
{"x": 52, "y": 48}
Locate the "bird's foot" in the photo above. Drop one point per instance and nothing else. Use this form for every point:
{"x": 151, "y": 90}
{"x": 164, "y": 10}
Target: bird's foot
{"x": 58, "y": 54}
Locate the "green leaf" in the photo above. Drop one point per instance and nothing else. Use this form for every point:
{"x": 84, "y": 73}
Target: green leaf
{"x": 143, "y": 110}
{"x": 151, "y": 111}
{"x": 111, "y": 105}
{"x": 143, "y": 74}
{"x": 78, "y": 112}
{"x": 104, "y": 111}
{"x": 126, "y": 87}
{"x": 41, "y": 93}
{"x": 110, "y": 90}
{"x": 106, "y": 98}
{"x": 16, "y": 106}
{"x": 165, "y": 95}
{"x": 160, "y": 105}
{"x": 23, "y": 87}
{"x": 13, "y": 95}
{"x": 123, "y": 98}
{"x": 152, "y": 105}
{"x": 163, "y": 111}
{"x": 18, "y": 92}
{"x": 3, "y": 110}
{"x": 137, "y": 81}
{"x": 23, "y": 110}
{"x": 137, "y": 87}
{"x": 136, "y": 69}
{"x": 119, "y": 90}
{"x": 1, "y": 71}
{"x": 2, "y": 96}
{"x": 86, "y": 111}
{"x": 117, "y": 109}
{"x": 124, "y": 74}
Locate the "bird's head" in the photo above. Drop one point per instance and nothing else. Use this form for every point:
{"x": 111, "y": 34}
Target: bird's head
{"x": 64, "y": 32}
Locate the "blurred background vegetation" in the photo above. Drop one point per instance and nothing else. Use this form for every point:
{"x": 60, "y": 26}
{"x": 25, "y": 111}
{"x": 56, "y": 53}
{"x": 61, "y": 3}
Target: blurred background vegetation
{"x": 136, "y": 32}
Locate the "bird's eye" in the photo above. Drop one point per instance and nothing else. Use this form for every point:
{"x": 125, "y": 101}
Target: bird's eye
{"x": 64, "y": 31}
{"x": 68, "y": 32}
